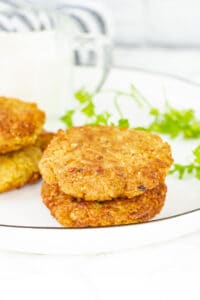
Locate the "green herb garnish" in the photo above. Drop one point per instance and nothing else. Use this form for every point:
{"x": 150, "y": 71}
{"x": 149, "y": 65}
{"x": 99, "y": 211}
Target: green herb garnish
{"x": 123, "y": 123}
{"x": 171, "y": 122}
{"x": 67, "y": 119}
{"x": 101, "y": 119}
{"x": 175, "y": 122}
{"x": 86, "y": 108}
{"x": 83, "y": 96}
{"x": 193, "y": 168}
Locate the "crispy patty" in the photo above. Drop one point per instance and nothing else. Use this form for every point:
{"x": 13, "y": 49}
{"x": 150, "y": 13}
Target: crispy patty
{"x": 70, "y": 212}
{"x": 44, "y": 139}
{"x": 20, "y": 124}
{"x": 21, "y": 167}
{"x": 103, "y": 163}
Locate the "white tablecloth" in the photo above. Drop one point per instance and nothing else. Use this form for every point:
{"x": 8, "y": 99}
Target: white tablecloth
{"x": 162, "y": 271}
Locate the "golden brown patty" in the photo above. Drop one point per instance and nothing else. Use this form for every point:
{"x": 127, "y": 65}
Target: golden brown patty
{"x": 21, "y": 167}
{"x": 44, "y": 139}
{"x": 103, "y": 163}
{"x": 72, "y": 213}
{"x": 20, "y": 124}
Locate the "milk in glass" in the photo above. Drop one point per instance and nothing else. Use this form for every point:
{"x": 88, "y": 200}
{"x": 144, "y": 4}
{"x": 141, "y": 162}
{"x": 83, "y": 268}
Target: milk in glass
{"x": 36, "y": 67}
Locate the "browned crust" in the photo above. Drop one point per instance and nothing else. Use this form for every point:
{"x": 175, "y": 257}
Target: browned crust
{"x": 20, "y": 124}
{"x": 34, "y": 178}
{"x": 103, "y": 163}
{"x": 70, "y": 212}
{"x": 21, "y": 167}
{"x": 17, "y": 185}
{"x": 44, "y": 139}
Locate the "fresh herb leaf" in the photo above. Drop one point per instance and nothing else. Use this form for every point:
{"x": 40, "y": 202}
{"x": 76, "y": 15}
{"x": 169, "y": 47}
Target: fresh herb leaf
{"x": 175, "y": 122}
{"x": 102, "y": 119}
{"x": 68, "y": 118}
{"x": 196, "y": 153}
{"x": 193, "y": 168}
{"x": 123, "y": 123}
{"x": 171, "y": 122}
{"x": 88, "y": 110}
{"x": 182, "y": 170}
{"x": 82, "y": 96}
{"x": 140, "y": 128}
{"x": 154, "y": 112}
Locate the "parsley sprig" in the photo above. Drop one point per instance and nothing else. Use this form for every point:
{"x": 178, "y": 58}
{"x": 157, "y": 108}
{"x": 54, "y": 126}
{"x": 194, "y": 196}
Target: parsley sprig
{"x": 173, "y": 122}
{"x": 67, "y": 118}
{"x": 86, "y": 107}
{"x": 192, "y": 168}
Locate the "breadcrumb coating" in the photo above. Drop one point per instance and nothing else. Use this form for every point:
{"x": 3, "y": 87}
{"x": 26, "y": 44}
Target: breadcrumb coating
{"x": 71, "y": 212}
{"x": 21, "y": 167}
{"x": 20, "y": 124}
{"x": 103, "y": 163}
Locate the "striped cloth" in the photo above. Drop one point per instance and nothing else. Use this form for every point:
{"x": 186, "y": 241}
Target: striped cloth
{"x": 86, "y": 18}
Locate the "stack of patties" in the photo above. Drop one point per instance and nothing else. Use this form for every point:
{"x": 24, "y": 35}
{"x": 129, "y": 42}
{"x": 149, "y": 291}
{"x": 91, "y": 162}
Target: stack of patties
{"x": 100, "y": 176}
{"x": 22, "y": 142}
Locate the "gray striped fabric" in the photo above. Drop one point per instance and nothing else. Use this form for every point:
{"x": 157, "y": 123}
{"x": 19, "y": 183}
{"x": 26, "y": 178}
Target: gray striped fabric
{"x": 85, "y": 19}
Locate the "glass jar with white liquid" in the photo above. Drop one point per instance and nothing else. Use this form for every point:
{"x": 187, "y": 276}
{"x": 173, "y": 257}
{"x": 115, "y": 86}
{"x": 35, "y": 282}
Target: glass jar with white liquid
{"x": 36, "y": 63}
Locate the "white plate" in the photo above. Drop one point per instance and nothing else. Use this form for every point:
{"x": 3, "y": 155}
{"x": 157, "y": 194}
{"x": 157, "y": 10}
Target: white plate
{"x": 27, "y": 226}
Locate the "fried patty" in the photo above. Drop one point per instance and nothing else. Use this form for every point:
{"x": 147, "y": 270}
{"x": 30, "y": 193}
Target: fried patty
{"x": 70, "y": 212}
{"x": 104, "y": 163}
{"x": 44, "y": 139}
{"x": 20, "y": 124}
{"x": 21, "y": 167}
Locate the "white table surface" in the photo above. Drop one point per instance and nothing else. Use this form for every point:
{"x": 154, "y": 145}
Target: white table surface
{"x": 162, "y": 271}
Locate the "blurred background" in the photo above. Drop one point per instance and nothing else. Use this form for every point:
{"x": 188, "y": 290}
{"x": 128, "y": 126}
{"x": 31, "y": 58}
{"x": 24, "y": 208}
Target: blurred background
{"x": 159, "y": 35}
